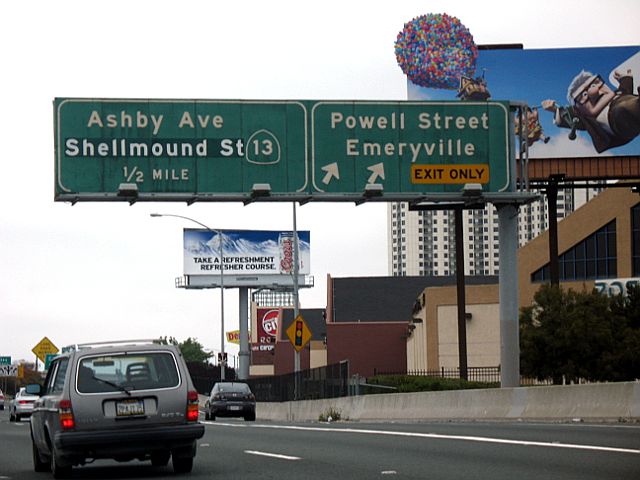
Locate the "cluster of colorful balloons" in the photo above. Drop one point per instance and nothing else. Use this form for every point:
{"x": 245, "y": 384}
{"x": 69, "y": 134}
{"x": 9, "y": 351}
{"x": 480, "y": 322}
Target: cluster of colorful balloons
{"x": 435, "y": 50}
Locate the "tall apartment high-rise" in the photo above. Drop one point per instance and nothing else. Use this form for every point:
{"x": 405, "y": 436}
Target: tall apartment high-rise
{"x": 423, "y": 242}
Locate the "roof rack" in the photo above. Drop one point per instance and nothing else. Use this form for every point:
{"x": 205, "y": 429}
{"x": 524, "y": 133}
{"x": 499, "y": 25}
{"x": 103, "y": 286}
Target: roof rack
{"x": 82, "y": 346}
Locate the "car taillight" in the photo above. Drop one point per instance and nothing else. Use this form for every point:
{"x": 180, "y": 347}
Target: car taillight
{"x": 192, "y": 406}
{"x": 65, "y": 413}
{"x": 23, "y": 402}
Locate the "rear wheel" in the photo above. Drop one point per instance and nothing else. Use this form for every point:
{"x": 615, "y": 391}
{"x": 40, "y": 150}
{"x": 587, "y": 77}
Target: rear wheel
{"x": 182, "y": 464}
{"x": 38, "y": 464}
{"x": 250, "y": 417}
{"x": 57, "y": 465}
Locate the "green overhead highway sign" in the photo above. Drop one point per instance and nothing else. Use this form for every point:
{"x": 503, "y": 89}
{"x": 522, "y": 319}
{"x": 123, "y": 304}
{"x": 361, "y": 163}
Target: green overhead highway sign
{"x": 168, "y": 147}
{"x": 410, "y": 147}
{"x": 204, "y": 150}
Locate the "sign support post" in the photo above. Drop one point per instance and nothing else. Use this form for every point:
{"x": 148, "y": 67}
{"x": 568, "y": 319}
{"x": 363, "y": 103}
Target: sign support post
{"x": 222, "y": 364}
{"x": 296, "y": 268}
{"x": 244, "y": 355}
{"x": 462, "y": 303}
{"x": 508, "y": 280}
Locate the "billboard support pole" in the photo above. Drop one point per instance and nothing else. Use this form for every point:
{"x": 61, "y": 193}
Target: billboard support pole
{"x": 244, "y": 333}
{"x": 552, "y": 202}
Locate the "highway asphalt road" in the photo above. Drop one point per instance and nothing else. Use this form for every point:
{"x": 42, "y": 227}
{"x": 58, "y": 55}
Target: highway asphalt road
{"x": 234, "y": 449}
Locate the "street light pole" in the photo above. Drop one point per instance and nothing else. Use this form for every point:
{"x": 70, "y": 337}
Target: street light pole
{"x": 221, "y": 254}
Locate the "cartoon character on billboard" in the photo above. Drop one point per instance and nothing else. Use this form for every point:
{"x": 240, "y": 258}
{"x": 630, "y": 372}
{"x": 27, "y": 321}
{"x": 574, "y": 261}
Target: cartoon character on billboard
{"x": 534, "y": 129}
{"x": 611, "y": 118}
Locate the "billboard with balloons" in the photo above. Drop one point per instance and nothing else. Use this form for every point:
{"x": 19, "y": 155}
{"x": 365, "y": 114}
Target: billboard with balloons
{"x": 583, "y": 102}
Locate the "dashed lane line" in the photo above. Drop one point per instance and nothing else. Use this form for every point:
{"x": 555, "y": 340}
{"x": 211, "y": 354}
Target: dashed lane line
{"x": 272, "y": 455}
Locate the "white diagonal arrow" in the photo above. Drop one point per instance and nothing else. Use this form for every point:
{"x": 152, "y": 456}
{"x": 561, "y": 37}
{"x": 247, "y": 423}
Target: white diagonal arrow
{"x": 332, "y": 171}
{"x": 377, "y": 171}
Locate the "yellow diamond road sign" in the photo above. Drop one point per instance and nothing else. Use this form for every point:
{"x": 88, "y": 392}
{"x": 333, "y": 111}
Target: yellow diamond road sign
{"x": 43, "y": 348}
{"x": 298, "y": 333}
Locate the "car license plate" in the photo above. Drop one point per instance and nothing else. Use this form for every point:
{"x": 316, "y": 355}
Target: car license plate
{"x": 234, "y": 407}
{"x": 127, "y": 408}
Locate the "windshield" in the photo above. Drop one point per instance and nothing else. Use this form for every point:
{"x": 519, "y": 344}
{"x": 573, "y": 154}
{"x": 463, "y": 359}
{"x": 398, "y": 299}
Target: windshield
{"x": 127, "y": 372}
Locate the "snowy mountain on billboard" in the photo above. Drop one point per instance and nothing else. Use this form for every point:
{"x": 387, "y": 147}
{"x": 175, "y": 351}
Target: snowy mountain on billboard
{"x": 236, "y": 245}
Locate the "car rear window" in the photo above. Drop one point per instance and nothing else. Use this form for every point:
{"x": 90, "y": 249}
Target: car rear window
{"x": 234, "y": 387}
{"x": 127, "y": 372}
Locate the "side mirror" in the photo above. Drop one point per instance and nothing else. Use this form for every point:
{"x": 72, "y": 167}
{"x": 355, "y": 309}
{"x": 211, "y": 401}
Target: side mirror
{"x": 33, "y": 389}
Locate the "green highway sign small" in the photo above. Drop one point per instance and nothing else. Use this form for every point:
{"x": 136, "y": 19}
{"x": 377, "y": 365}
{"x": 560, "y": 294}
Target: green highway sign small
{"x": 207, "y": 150}
{"x": 5, "y": 360}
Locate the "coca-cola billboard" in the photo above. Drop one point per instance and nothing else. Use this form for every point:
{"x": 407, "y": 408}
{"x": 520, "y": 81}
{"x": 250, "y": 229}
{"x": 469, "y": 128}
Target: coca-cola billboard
{"x": 285, "y": 242}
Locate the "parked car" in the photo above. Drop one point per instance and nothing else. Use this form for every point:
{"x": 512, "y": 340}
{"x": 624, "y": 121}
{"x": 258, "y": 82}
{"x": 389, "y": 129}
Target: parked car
{"x": 231, "y": 399}
{"x": 21, "y": 405}
{"x": 123, "y": 401}
{"x": 1, "y": 400}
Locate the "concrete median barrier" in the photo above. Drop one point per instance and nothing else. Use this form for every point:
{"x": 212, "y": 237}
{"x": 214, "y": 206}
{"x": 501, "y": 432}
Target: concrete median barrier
{"x": 604, "y": 402}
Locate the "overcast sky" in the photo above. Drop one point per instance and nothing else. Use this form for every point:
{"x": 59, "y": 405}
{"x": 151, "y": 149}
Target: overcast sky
{"x": 104, "y": 271}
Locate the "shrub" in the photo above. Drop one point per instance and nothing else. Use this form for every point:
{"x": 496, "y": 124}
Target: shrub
{"x": 330, "y": 415}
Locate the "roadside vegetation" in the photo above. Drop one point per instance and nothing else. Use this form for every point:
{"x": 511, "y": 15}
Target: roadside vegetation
{"x": 570, "y": 336}
{"x": 331, "y": 414}
{"x": 416, "y": 383}
{"x": 191, "y": 349}
{"x": 565, "y": 337}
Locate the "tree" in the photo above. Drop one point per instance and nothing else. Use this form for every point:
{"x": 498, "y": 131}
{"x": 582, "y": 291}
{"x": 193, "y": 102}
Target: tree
{"x": 625, "y": 316}
{"x": 540, "y": 350}
{"x": 578, "y": 335}
{"x": 191, "y": 349}
{"x": 169, "y": 341}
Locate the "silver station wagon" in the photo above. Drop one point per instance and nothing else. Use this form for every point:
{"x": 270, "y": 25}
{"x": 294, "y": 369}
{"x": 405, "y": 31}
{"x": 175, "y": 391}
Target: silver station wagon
{"x": 122, "y": 400}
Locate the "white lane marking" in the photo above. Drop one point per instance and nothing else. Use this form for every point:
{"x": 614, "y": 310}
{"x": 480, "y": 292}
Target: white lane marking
{"x": 388, "y": 472}
{"x": 438, "y": 436}
{"x": 272, "y": 455}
